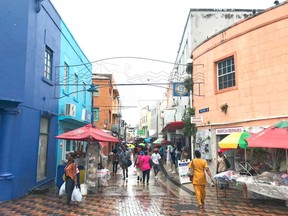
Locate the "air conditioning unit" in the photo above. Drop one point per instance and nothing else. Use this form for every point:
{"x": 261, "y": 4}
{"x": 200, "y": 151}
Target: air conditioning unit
{"x": 85, "y": 115}
{"x": 70, "y": 110}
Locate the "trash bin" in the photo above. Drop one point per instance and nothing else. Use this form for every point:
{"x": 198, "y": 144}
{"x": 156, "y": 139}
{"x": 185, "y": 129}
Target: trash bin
{"x": 60, "y": 173}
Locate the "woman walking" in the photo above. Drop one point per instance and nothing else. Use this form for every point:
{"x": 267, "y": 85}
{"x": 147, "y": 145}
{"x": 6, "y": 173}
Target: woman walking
{"x": 199, "y": 181}
{"x": 146, "y": 167}
{"x": 138, "y": 165}
{"x": 70, "y": 177}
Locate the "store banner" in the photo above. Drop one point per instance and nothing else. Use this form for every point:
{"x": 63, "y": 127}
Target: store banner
{"x": 182, "y": 170}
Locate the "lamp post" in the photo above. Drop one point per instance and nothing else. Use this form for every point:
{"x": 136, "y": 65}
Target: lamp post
{"x": 119, "y": 116}
{"x": 92, "y": 89}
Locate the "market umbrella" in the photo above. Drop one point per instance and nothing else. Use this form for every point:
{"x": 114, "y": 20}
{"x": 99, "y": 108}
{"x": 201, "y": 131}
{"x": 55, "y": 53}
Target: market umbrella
{"x": 88, "y": 133}
{"x": 275, "y": 136}
{"x": 233, "y": 140}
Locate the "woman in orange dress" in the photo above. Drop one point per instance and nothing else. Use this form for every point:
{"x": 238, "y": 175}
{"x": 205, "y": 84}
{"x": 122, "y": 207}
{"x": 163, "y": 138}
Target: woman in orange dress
{"x": 199, "y": 181}
{"x": 70, "y": 176}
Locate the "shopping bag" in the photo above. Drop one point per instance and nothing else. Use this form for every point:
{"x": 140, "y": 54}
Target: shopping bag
{"x": 76, "y": 195}
{"x": 62, "y": 189}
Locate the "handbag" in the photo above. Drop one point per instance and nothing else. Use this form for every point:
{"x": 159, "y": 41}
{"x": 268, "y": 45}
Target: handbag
{"x": 129, "y": 162}
{"x": 190, "y": 171}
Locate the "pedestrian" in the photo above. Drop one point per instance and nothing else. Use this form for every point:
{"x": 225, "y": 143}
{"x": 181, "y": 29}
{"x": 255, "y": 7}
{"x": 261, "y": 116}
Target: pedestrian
{"x": 115, "y": 162}
{"x": 138, "y": 165}
{"x": 70, "y": 177}
{"x": 125, "y": 160}
{"x": 173, "y": 159}
{"x": 221, "y": 165}
{"x": 199, "y": 181}
{"x": 155, "y": 157}
{"x": 146, "y": 167}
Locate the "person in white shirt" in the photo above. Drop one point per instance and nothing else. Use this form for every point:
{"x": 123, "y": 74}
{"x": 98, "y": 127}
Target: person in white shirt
{"x": 155, "y": 157}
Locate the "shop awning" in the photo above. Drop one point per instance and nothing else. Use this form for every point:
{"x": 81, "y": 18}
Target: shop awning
{"x": 173, "y": 126}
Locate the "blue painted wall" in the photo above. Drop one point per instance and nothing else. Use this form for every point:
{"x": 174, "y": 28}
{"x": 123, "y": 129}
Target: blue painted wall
{"x": 78, "y": 63}
{"x": 25, "y": 97}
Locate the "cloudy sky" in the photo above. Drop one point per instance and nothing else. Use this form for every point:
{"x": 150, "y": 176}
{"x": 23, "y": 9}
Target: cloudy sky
{"x": 136, "y": 28}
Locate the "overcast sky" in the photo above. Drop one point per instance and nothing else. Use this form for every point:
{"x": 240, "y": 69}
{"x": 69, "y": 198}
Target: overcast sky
{"x": 137, "y": 28}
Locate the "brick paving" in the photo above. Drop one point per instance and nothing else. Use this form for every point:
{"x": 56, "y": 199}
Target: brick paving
{"x": 161, "y": 197}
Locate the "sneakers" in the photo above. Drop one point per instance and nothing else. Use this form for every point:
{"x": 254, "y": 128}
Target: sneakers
{"x": 156, "y": 177}
{"x": 173, "y": 171}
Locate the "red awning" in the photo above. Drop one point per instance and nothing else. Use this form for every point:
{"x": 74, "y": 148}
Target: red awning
{"x": 173, "y": 126}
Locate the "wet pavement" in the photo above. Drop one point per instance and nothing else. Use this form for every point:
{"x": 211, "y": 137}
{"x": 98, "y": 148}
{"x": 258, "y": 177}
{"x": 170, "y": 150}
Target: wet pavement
{"x": 163, "y": 196}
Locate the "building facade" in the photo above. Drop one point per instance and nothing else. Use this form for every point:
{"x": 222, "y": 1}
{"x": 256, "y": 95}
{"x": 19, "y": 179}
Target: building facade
{"x": 244, "y": 78}
{"x": 30, "y": 50}
{"x": 201, "y": 24}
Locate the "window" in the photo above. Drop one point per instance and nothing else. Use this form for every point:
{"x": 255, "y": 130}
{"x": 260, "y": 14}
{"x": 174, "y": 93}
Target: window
{"x": 226, "y": 73}
{"x": 96, "y": 94}
{"x": 84, "y": 93}
{"x": 96, "y": 114}
{"x": 72, "y": 146}
{"x": 66, "y": 76}
{"x": 42, "y": 149}
{"x": 48, "y": 64}
{"x": 75, "y": 86}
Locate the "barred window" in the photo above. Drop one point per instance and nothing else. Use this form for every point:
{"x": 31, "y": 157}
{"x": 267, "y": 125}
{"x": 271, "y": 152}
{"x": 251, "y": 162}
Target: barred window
{"x": 226, "y": 73}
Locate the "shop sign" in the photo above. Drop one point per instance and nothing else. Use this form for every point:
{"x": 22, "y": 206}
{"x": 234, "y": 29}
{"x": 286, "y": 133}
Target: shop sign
{"x": 228, "y": 130}
{"x": 195, "y": 119}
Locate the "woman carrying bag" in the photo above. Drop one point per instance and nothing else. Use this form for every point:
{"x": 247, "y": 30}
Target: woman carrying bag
{"x": 70, "y": 177}
{"x": 199, "y": 181}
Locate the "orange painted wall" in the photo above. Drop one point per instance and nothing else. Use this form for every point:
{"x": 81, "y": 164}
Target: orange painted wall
{"x": 104, "y": 102}
{"x": 260, "y": 48}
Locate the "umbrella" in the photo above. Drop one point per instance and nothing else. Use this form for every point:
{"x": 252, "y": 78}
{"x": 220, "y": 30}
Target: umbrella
{"x": 141, "y": 144}
{"x": 88, "y": 133}
{"x": 233, "y": 140}
{"x": 130, "y": 145}
{"x": 275, "y": 136}
{"x": 161, "y": 141}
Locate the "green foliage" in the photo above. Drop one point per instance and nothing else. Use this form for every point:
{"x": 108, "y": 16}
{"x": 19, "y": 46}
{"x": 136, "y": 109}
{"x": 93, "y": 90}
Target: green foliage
{"x": 188, "y": 83}
{"x": 189, "y": 129}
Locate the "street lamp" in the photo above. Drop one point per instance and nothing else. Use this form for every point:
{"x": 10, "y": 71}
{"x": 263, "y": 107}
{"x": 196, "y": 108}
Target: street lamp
{"x": 92, "y": 89}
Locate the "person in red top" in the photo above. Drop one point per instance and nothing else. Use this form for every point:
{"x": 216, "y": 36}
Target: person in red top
{"x": 70, "y": 177}
{"x": 146, "y": 167}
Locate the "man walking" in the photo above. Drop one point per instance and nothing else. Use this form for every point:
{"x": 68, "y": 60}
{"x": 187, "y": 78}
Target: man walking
{"x": 155, "y": 157}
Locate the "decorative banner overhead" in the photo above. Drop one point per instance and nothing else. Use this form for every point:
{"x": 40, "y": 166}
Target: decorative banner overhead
{"x": 179, "y": 90}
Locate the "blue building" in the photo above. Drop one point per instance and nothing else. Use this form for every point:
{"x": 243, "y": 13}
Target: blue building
{"x": 75, "y": 78}
{"x": 33, "y": 46}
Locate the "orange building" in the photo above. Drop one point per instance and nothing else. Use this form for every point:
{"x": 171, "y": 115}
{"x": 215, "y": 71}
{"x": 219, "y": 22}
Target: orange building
{"x": 242, "y": 76}
{"x": 105, "y": 105}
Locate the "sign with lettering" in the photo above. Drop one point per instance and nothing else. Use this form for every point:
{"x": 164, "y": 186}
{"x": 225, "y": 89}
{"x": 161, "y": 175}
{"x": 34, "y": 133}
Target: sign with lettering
{"x": 204, "y": 110}
{"x": 195, "y": 119}
{"x": 228, "y": 130}
{"x": 182, "y": 169}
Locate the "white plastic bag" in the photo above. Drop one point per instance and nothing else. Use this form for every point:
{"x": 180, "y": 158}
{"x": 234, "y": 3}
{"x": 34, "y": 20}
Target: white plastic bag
{"x": 76, "y": 195}
{"x": 62, "y": 189}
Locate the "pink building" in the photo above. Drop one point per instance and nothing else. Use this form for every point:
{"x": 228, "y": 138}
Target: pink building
{"x": 243, "y": 76}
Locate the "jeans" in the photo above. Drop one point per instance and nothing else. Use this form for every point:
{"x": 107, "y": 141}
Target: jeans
{"x": 115, "y": 166}
{"x": 69, "y": 186}
{"x": 146, "y": 172}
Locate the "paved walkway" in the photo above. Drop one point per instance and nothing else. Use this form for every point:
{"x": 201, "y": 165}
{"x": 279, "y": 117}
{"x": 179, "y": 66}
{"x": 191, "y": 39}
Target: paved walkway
{"x": 162, "y": 196}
